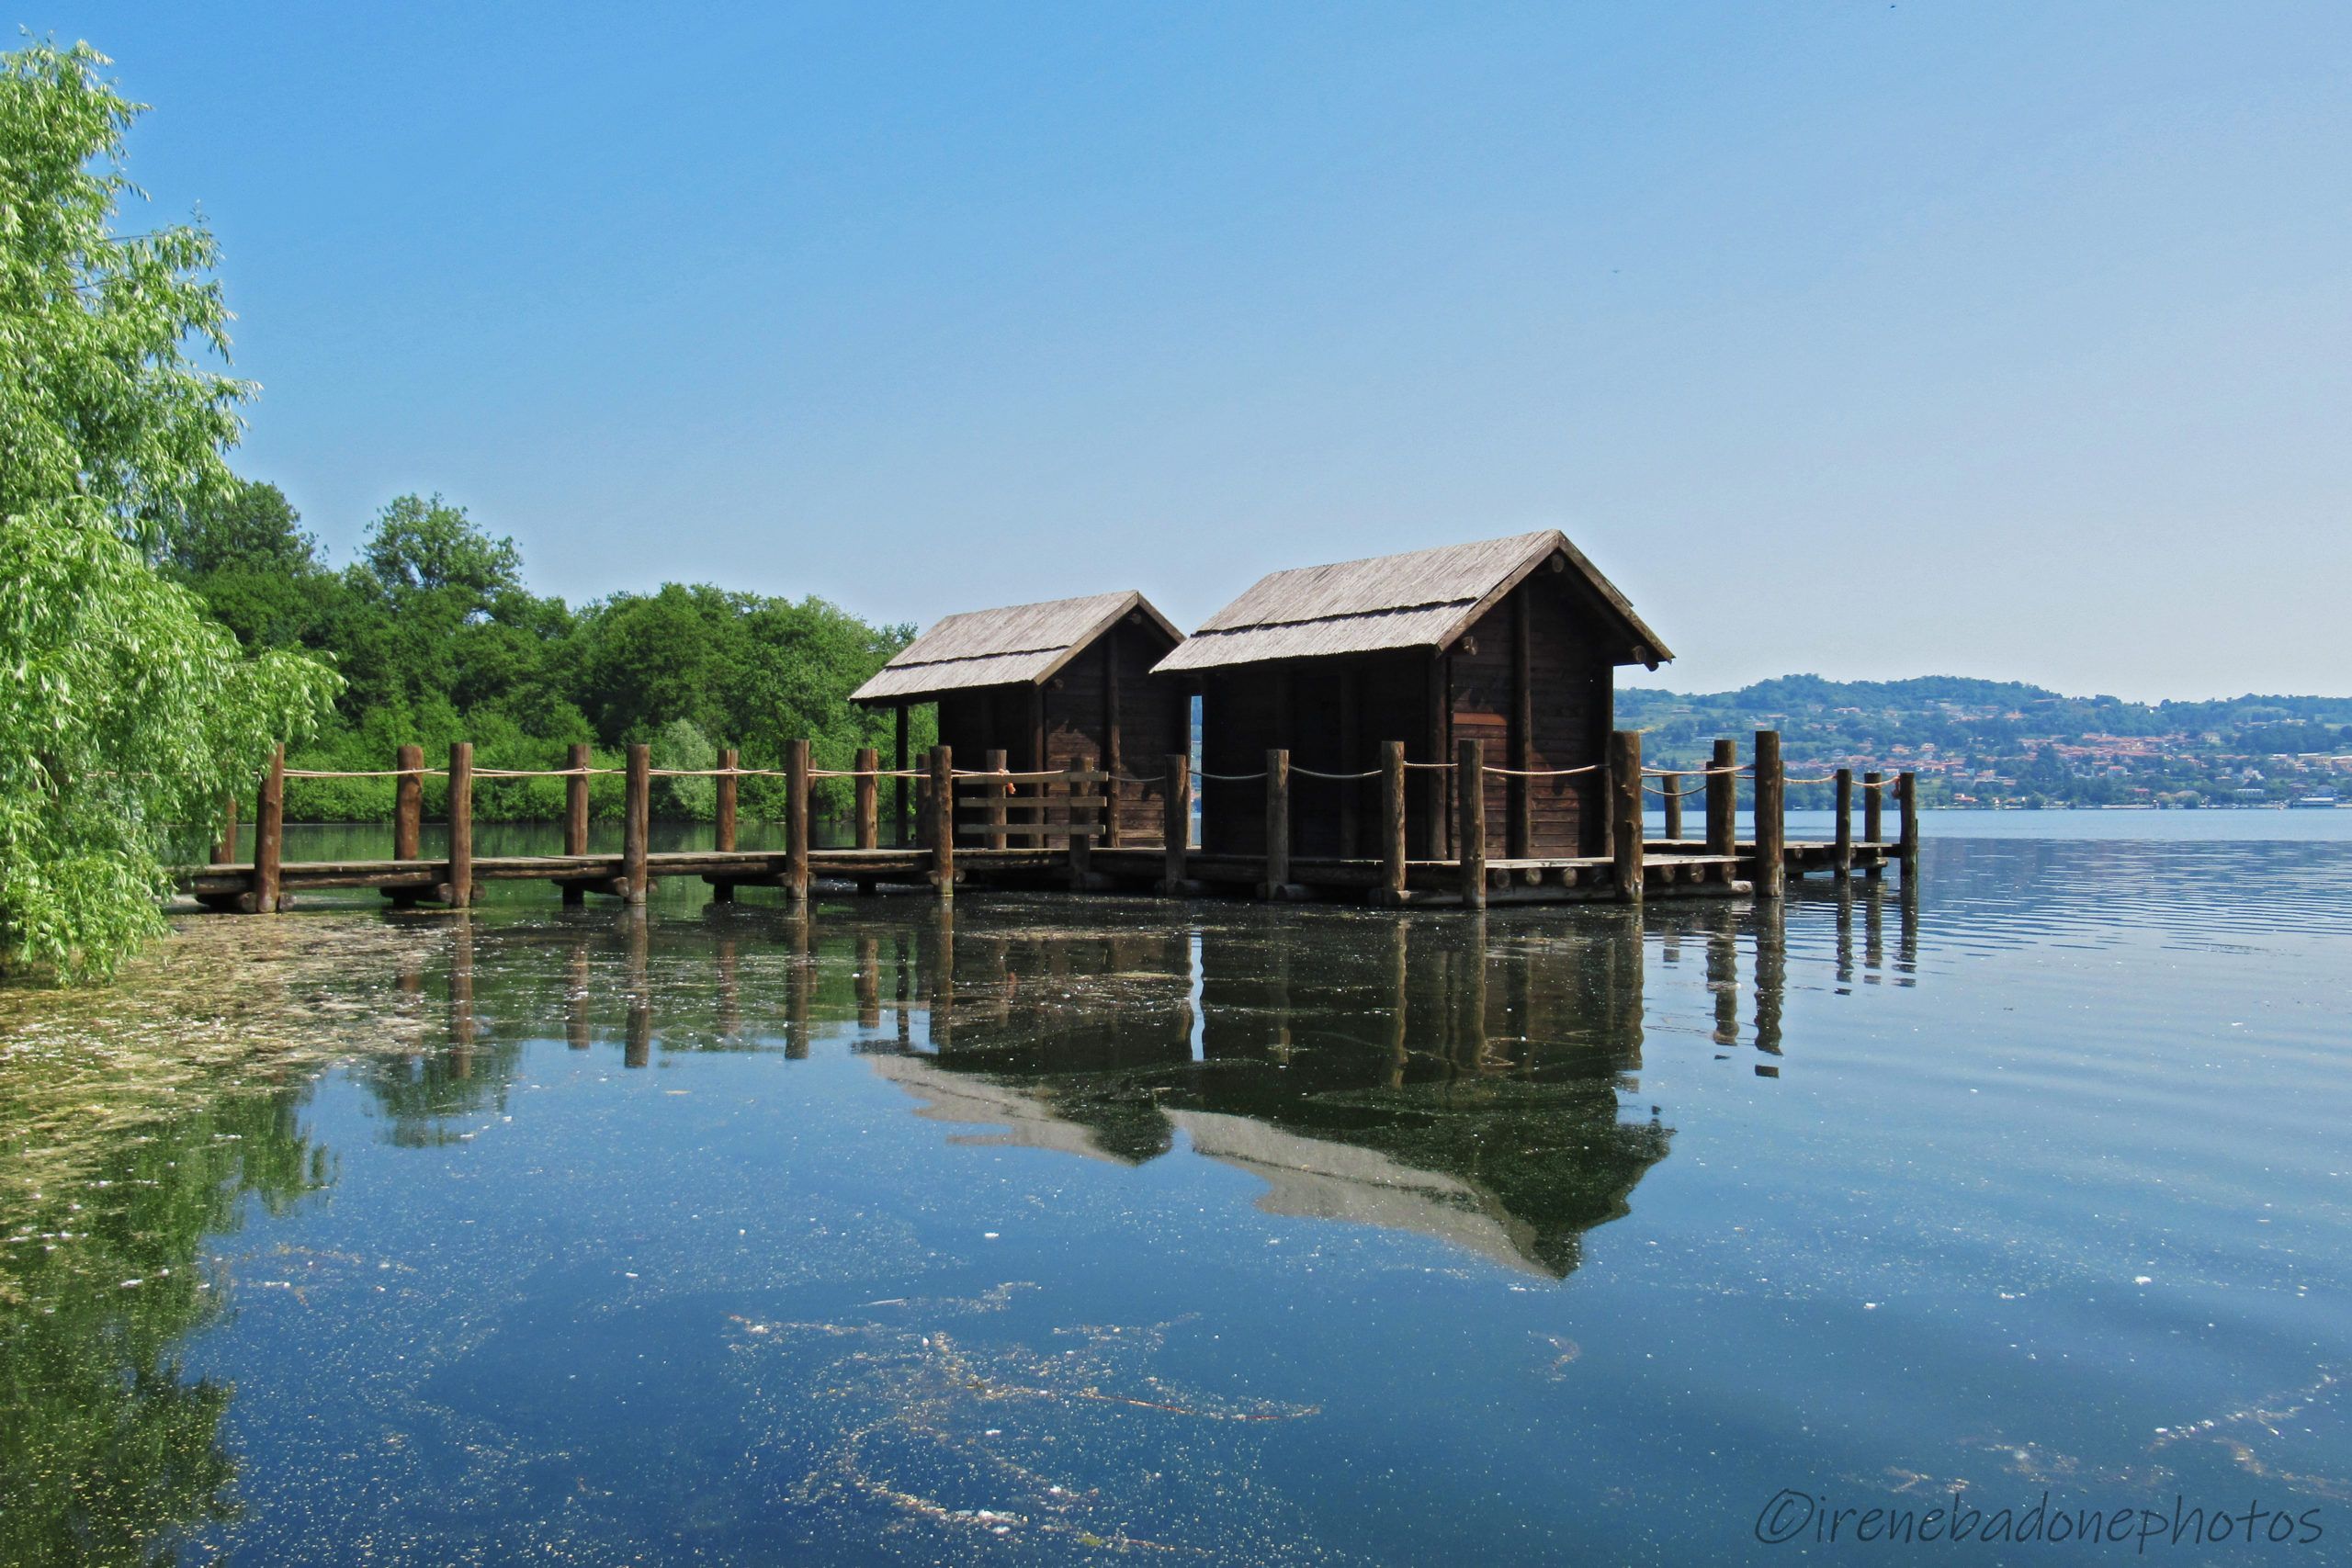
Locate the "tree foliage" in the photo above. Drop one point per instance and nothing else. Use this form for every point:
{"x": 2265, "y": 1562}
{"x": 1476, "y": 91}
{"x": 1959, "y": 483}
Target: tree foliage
{"x": 125, "y": 708}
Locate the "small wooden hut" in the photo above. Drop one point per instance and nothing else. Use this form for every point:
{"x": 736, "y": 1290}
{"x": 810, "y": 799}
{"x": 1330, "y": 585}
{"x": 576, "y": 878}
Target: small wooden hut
{"x": 1050, "y": 685}
{"x": 1510, "y": 641}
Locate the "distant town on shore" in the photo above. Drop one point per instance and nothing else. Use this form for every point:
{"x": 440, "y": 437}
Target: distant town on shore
{"x": 2005, "y": 744}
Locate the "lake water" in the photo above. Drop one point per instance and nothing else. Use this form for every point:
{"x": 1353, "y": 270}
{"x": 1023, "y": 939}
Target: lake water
{"x": 1063, "y": 1231}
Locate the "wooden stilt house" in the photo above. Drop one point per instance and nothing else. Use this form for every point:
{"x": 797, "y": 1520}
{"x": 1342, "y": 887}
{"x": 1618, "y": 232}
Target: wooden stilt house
{"x": 1050, "y": 685}
{"x": 1510, "y": 641}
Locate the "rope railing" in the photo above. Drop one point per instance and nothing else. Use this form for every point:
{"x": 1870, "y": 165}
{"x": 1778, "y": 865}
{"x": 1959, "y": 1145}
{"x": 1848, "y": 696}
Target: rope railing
{"x": 359, "y": 774}
{"x": 1539, "y": 772}
{"x": 1337, "y": 778}
{"x": 1232, "y": 778}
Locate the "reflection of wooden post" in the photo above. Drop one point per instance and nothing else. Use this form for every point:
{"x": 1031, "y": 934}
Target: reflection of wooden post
{"x": 1771, "y": 824}
{"x": 459, "y": 892}
{"x": 1723, "y": 805}
{"x": 993, "y": 760}
{"x": 796, "y": 811}
{"x": 1907, "y": 788}
{"x": 869, "y": 829}
{"x": 636, "y": 1047}
{"x": 723, "y": 826}
{"x": 1842, "y": 858}
{"x": 869, "y": 984}
{"x": 1470, "y": 792}
{"x": 1392, "y": 822}
{"x": 1672, "y": 784}
{"x": 1625, "y": 812}
{"x": 1771, "y": 977}
{"x": 1176, "y": 827}
{"x": 636, "y": 822}
{"x": 224, "y": 848}
{"x": 269, "y": 834}
{"x": 730, "y": 994}
{"x": 1277, "y": 824}
{"x": 942, "y": 821}
{"x": 462, "y": 1028}
{"x": 575, "y": 998}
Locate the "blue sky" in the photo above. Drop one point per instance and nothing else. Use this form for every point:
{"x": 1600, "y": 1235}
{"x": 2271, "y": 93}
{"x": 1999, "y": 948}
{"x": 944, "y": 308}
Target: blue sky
{"x": 1864, "y": 339}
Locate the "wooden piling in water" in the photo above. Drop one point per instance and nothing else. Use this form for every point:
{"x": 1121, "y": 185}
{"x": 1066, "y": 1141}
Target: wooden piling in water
{"x": 1841, "y": 850}
{"x": 901, "y": 825}
{"x": 1908, "y": 787}
{"x": 1625, "y": 812}
{"x": 1722, "y": 803}
{"x": 866, "y": 826}
{"x": 1392, "y": 822}
{"x": 1081, "y": 842}
{"x": 269, "y": 834}
{"x": 408, "y": 816}
{"x": 1874, "y": 820}
{"x": 224, "y": 848}
{"x": 1470, "y": 792}
{"x": 1770, "y": 875}
{"x": 942, "y": 821}
{"x": 457, "y": 892}
{"x": 723, "y": 823}
{"x": 637, "y": 823}
{"x": 994, "y": 808}
{"x": 1670, "y": 784}
{"x": 1277, "y": 825}
{"x": 795, "y": 820}
{"x": 1176, "y": 824}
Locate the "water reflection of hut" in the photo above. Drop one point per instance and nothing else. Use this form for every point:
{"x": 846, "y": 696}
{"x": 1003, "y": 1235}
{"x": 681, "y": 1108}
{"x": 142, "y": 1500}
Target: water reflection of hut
{"x": 1421, "y": 1081}
{"x": 1049, "y": 685}
{"x": 1510, "y": 641}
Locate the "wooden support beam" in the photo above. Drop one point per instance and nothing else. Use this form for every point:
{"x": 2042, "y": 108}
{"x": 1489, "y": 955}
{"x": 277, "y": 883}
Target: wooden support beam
{"x": 1907, "y": 791}
{"x": 796, "y": 811}
{"x": 1470, "y": 792}
{"x": 1671, "y": 785}
{"x": 1841, "y": 849}
{"x": 1873, "y": 808}
{"x": 224, "y": 848}
{"x": 723, "y": 827}
{"x": 1392, "y": 823}
{"x": 575, "y": 798}
{"x": 1176, "y": 824}
{"x": 865, "y": 829}
{"x": 1350, "y": 761}
{"x": 269, "y": 834}
{"x": 1625, "y": 812}
{"x": 942, "y": 821}
{"x": 408, "y": 815}
{"x": 1771, "y": 873}
{"x": 993, "y": 809}
{"x": 1112, "y": 754}
{"x": 1521, "y": 831}
{"x": 460, "y": 873}
{"x": 636, "y": 821}
{"x": 903, "y": 824}
{"x": 1081, "y": 843}
{"x": 1277, "y": 825}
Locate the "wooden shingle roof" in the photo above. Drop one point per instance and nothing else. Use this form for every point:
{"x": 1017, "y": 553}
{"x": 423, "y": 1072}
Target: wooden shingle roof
{"x": 1420, "y": 599}
{"x": 1019, "y": 645}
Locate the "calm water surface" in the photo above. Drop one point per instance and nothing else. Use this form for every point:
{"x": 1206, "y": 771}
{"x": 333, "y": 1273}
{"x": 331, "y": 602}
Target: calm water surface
{"x": 1067, "y": 1232}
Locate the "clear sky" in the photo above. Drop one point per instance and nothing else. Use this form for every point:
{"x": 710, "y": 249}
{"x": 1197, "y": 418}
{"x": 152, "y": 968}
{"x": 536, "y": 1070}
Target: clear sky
{"x": 1870, "y": 340}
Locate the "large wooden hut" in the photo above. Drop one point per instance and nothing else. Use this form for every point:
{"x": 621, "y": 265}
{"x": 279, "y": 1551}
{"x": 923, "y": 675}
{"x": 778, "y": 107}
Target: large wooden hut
{"x": 1510, "y": 641}
{"x": 1049, "y": 685}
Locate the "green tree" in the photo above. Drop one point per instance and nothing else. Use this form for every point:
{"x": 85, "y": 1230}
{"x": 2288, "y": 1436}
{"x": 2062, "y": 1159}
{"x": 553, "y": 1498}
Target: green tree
{"x": 124, "y": 708}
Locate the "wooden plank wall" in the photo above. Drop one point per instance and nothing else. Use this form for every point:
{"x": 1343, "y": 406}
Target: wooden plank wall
{"x": 1569, "y": 706}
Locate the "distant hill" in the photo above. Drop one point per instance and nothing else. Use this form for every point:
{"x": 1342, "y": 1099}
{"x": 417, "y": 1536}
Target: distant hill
{"x": 2007, "y": 743}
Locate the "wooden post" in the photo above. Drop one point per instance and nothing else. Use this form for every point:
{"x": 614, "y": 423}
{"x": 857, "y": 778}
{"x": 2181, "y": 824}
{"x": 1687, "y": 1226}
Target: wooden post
{"x": 993, "y": 759}
{"x": 1081, "y": 848}
{"x": 1277, "y": 825}
{"x": 269, "y": 834}
{"x": 408, "y": 816}
{"x": 723, "y": 824}
{"x": 1842, "y": 858}
{"x": 637, "y": 823}
{"x": 796, "y": 812}
{"x": 942, "y": 821}
{"x": 1723, "y": 803}
{"x": 460, "y": 870}
{"x": 868, "y": 826}
{"x": 224, "y": 848}
{"x": 1671, "y": 783}
{"x": 575, "y": 814}
{"x": 1176, "y": 827}
{"x": 1392, "y": 822}
{"x": 1470, "y": 792}
{"x": 1908, "y": 787}
{"x": 1625, "y": 812}
{"x": 902, "y": 823}
{"x": 1873, "y": 791}
{"x": 1770, "y": 875}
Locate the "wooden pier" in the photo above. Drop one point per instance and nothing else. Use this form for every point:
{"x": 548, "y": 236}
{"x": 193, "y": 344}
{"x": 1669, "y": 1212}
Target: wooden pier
{"x": 1059, "y": 829}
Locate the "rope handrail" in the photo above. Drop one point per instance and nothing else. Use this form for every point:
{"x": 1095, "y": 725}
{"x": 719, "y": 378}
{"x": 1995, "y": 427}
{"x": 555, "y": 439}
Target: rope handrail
{"x": 378, "y": 774}
{"x": 1232, "y": 778}
{"x": 1736, "y": 770}
{"x": 1341, "y": 778}
{"x": 1048, "y": 776}
{"x": 1448, "y": 766}
{"x": 1541, "y": 773}
{"x": 533, "y": 772}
